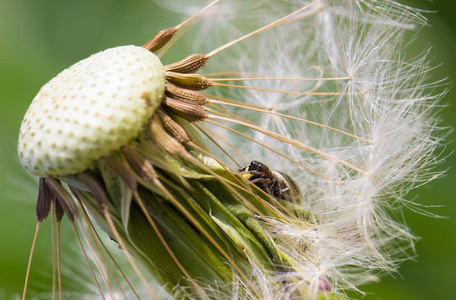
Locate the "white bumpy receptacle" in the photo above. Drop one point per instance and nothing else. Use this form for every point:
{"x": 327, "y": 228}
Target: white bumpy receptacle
{"x": 90, "y": 110}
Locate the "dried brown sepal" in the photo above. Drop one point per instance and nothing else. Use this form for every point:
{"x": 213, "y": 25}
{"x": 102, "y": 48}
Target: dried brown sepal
{"x": 160, "y": 39}
{"x": 43, "y": 203}
{"x": 194, "y": 82}
{"x": 60, "y": 203}
{"x": 61, "y": 195}
{"x": 59, "y": 211}
{"x": 95, "y": 188}
{"x": 189, "y": 112}
{"x": 173, "y": 128}
{"x": 139, "y": 164}
{"x": 184, "y": 95}
{"x": 122, "y": 171}
{"x": 190, "y": 64}
{"x": 166, "y": 141}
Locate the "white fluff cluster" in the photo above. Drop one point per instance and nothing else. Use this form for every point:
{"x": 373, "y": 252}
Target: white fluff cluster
{"x": 384, "y": 100}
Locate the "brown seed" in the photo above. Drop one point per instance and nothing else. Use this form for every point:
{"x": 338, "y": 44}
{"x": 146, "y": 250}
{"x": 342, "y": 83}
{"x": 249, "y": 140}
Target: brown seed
{"x": 184, "y": 95}
{"x": 189, "y": 81}
{"x": 187, "y": 111}
{"x": 173, "y": 127}
{"x": 139, "y": 164}
{"x": 160, "y": 39}
{"x": 165, "y": 140}
{"x": 190, "y": 64}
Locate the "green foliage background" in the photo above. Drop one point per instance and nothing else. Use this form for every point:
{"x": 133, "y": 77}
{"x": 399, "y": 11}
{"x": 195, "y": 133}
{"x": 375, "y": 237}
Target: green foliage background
{"x": 38, "y": 39}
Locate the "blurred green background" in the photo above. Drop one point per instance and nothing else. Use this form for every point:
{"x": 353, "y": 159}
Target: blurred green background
{"x": 39, "y": 38}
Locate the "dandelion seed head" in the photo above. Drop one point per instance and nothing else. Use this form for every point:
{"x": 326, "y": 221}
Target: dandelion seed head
{"x": 89, "y": 110}
{"x": 386, "y": 100}
{"x": 363, "y": 135}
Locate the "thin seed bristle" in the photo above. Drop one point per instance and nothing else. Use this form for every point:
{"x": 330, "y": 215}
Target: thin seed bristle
{"x": 165, "y": 243}
{"x": 32, "y": 250}
{"x": 292, "y": 142}
{"x": 89, "y": 264}
{"x": 181, "y": 32}
{"x": 280, "y": 91}
{"x": 209, "y": 135}
{"x": 54, "y": 280}
{"x": 236, "y": 104}
{"x": 97, "y": 239}
{"x": 197, "y": 14}
{"x": 101, "y": 198}
{"x": 283, "y": 155}
{"x": 128, "y": 255}
{"x": 97, "y": 243}
{"x": 59, "y": 264}
{"x": 271, "y": 25}
{"x": 276, "y": 78}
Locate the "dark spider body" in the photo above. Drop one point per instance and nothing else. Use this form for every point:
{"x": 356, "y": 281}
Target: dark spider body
{"x": 276, "y": 184}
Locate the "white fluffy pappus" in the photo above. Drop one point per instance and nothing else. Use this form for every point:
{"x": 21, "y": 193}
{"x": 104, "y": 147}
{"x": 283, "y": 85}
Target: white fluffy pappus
{"x": 357, "y": 188}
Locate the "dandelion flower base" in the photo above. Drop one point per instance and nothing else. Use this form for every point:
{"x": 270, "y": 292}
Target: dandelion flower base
{"x": 90, "y": 110}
